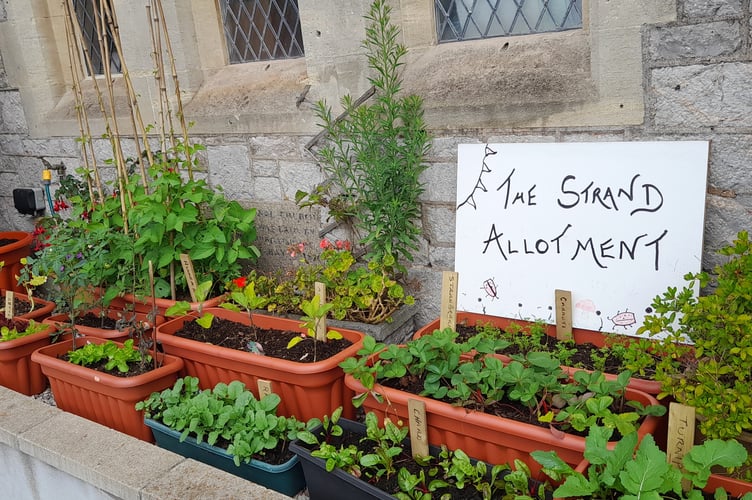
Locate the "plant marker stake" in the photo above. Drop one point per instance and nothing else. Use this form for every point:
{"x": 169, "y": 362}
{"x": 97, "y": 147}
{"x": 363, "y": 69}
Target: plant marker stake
{"x": 264, "y": 388}
{"x": 190, "y": 275}
{"x": 9, "y": 298}
{"x": 448, "y": 317}
{"x": 563, "y": 305}
{"x": 153, "y": 308}
{"x": 320, "y": 290}
{"x": 416, "y": 411}
{"x": 681, "y": 435}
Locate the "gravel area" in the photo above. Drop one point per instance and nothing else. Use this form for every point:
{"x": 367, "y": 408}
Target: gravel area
{"x": 45, "y": 397}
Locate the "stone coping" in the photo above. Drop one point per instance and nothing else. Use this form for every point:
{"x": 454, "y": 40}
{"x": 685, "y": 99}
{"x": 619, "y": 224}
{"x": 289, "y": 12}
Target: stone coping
{"x": 118, "y": 464}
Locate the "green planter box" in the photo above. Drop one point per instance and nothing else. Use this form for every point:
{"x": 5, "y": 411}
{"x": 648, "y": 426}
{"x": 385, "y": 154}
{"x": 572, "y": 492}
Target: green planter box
{"x": 286, "y": 478}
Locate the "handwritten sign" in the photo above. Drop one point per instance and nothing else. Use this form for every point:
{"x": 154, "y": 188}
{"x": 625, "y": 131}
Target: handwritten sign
{"x": 448, "y": 317}
{"x": 614, "y": 223}
{"x": 418, "y": 427}
{"x": 9, "y": 303}
{"x": 264, "y": 387}
{"x": 681, "y": 434}
{"x": 563, "y": 301}
{"x": 320, "y": 290}
{"x": 190, "y": 275}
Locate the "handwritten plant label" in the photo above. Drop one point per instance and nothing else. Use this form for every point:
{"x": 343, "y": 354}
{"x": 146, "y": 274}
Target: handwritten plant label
{"x": 615, "y": 223}
{"x": 563, "y": 301}
{"x": 264, "y": 387}
{"x": 10, "y": 298}
{"x": 190, "y": 275}
{"x": 448, "y": 317}
{"x": 418, "y": 427}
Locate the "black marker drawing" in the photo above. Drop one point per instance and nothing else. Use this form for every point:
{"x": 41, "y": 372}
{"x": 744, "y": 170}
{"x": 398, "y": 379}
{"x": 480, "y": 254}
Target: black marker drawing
{"x": 470, "y": 200}
{"x": 489, "y": 286}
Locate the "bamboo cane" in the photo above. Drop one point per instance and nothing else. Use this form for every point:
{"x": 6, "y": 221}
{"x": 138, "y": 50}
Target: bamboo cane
{"x": 158, "y": 76}
{"x": 181, "y": 114}
{"x": 137, "y": 121}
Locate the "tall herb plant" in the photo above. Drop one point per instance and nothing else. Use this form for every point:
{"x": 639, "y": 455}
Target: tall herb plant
{"x": 374, "y": 153}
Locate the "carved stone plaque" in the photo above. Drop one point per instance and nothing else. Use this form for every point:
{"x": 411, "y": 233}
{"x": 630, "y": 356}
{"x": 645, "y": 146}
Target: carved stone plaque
{"x": 280, "y": 225}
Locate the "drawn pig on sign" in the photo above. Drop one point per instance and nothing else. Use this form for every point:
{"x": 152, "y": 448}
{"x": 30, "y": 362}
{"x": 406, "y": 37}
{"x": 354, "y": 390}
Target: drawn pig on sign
{"x": 624, "y": 319}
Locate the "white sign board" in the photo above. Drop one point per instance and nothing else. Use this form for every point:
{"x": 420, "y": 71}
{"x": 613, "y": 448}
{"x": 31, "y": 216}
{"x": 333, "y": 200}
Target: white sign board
{"x": 614, "y": 223}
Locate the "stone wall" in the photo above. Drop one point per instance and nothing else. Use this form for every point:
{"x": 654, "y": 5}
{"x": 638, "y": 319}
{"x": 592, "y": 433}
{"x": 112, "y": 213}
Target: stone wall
{"x": 695, "y": 73}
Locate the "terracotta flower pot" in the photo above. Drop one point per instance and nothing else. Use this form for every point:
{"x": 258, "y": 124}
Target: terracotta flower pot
{"x": 101, "y": 397}
{"x": 307, "y": 389}
{"x": 734, "y": 487}
{"x": 11, "y": 255}
{"x": 17, "y": 370}
{"x": 42, "y": 308}
{"x": 62, "y": 322}
{"x": 145, "y": 304}
{"x": 580, "y": 336}
{"x": 488, "y": 437}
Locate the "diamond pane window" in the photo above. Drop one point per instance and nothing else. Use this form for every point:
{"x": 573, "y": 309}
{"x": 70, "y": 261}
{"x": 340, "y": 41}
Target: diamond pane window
{"x": 458, "y": 20}
{"x": 86, "y": 13}
{"x": 259, "y": 30}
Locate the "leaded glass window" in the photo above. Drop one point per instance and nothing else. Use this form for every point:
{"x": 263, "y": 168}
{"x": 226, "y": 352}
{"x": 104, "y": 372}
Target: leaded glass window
{"x": 87, "y": 14}
{"x": 259, "y": 30}
{"x": 458, "y": 20}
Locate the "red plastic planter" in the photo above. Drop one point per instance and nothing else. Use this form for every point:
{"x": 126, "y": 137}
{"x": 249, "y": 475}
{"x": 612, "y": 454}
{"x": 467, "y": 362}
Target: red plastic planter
{"x": 101, "y": 397}
{"x": 61, "y": 321}
{"x": 17, "y": 371}
{"x": 307, "y": 390}
{"x": 580, "y": 336}
{"x": 488, "y": 437}
{"x": 42, "y": 308}
{"x": 11, "y": 255}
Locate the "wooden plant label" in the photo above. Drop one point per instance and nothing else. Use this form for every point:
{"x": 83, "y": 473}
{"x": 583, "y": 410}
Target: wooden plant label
{"x": 448, "y": 318}
{"x": 9, "y": 298}
{"x": 563, "y": 301}
{"x": 681, "y": 434}
{"x": 190, "y": 275}
{"x": 418, "y": 429}
{"x": 264, "y": 388}
{"x": 320, "y": 290}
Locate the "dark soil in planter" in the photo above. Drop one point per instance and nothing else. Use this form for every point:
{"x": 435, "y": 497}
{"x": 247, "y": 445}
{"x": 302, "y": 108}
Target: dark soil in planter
{"x": 226, "y": 333}
{"x": 403, "y": 460}
{"x": 20, "y": 306}
{"x": 582, "y": 355}
{"x": 6, "y": 241}
{"x": 512, "y": 410}
{"x": 94, "y": 321}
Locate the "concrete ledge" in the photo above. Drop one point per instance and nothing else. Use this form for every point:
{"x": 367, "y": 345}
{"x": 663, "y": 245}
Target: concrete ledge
{"x": 34, "y": 435}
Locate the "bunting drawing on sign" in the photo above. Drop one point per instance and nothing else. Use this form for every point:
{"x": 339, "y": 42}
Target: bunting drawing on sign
{"x": 470, "y": 200}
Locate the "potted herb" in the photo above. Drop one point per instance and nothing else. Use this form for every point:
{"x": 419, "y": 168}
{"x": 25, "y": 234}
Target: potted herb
{"x": 18, "y": 339}
{"x": 228, "y": 428}
{"x": 103, "y": 380}
{"x": 465, "y": 397}
{"x": 373, "y": 155}
{"x": 716, "y": 375}
{"x": 223, "y": 345}
{"x": 364, "y": 296}
{"x": 344, "y": 459}
{"x": 629, "y": 470}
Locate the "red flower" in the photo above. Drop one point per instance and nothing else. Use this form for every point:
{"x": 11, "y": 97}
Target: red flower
{"x": 325, "y": 244}
{"x": 240, "y": 282}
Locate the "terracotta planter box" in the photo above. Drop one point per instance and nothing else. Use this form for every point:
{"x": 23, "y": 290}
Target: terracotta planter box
{"x": 17, "y": 370}
{"x": 581, "y": 336}
{"x": 287, "y": 478}
{"x": 307, "y": 389}
{"x": 488, "y": 437}
{"x": 62, "y": 323}
{"x": 42, "y": 308}
{"x": 145, "y": 304}
{"x": 11, "y": 254}
{"x": 101, "y": 397}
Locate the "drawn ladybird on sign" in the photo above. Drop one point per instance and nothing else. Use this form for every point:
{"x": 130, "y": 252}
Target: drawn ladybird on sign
{"x": 624, "y": 319}
{"x": 489, "y": 286}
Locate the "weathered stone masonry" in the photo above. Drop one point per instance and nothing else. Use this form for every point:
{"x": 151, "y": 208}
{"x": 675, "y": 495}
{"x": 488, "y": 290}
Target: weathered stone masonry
{"x": 693, "y": 83}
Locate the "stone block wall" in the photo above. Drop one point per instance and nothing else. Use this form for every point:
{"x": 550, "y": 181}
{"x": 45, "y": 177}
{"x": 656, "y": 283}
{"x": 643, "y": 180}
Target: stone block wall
{"x": 696, "y": 74}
